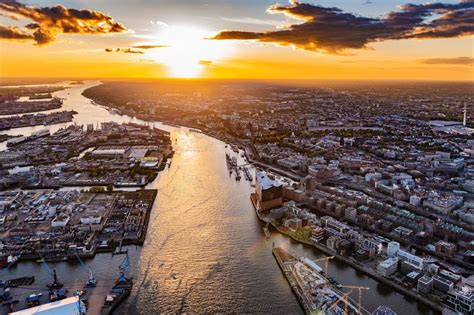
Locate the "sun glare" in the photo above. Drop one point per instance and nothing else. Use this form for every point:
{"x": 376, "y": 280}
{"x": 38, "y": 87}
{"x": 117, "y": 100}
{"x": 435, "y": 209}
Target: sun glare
{"x": 188, "y": 51}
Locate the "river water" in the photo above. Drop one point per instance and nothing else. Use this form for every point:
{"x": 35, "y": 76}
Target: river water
{"x": 205, "y": 251}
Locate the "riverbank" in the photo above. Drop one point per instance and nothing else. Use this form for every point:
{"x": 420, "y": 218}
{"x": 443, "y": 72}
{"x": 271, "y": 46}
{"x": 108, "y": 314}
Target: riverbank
{"x": 107, "y": 242}
{"x": 372, "y": 274}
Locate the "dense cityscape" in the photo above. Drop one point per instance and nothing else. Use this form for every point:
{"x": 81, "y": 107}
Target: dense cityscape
{"x": 388, "y": 194}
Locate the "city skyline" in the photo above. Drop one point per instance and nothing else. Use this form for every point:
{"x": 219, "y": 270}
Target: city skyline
{"x": 369, "y": 40}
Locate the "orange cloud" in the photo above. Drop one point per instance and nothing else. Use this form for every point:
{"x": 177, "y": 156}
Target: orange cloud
{"x": 48, "y": 22}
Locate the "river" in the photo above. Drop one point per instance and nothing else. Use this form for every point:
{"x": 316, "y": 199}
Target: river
{"x": 205, "y": 251}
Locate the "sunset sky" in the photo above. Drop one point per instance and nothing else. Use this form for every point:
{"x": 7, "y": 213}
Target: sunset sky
{"x": 323, "y": 39}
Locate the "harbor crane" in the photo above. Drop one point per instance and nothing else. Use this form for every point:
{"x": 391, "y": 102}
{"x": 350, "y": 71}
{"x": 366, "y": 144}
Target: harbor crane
{"x": 352, "y": 287}
{"x": 326, "y": 263}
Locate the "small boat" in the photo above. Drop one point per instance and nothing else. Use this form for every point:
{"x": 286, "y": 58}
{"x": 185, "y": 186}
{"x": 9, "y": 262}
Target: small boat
{"x": 57, "y": 294}
{"x": 92, "y": 281}
{"x": 22, "y": 281}
{"x": 33, "y": 299}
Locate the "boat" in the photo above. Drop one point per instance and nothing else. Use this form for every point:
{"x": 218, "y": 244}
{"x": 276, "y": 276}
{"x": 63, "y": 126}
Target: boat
{"x": 33, "y": 299}
{"x": 92, "y": 281}
{"x": 22, "y": 281}
{"x": 8, "y": 261}
{"x": 120, "y": 291}
{"x": 57, "y": 294}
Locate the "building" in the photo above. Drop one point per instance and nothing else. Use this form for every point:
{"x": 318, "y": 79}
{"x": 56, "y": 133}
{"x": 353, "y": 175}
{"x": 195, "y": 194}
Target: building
{"x": 461, "y": 300}
{"x": 68, "y": 306}
{"x": 442, "y": 284}
{"x": 443, "y": 205}
{"x": 388, "y": 267}
{"x": 425, "y": 284}
{"x": 410, "y": 262}
{"x": 317, "y": 234}
{"x": 268, "y": 192}
{"x": 293, "y": 194}
{"x": 350, "y": 214}
{"x": 294, "y": 224}
{"x": 445, "y": 248}
{"x": 392, "y": 249}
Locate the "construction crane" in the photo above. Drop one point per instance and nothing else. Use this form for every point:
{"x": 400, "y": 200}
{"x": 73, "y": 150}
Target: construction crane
{"x": 344, "y": 298}
{"x": 326, "y": 263}
{"x": 360, "y": 293}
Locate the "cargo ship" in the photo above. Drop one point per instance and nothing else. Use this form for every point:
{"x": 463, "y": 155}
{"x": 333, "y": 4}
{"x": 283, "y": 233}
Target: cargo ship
{"x": 119, "y": 292}
{"x": 313, "y": 290}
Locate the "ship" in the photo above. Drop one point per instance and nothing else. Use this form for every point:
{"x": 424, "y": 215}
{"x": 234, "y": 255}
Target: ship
{"x": 8, "y": 261}
{"x": 313, "y": 290}
{"x": 120, "y": 291}
{"x": 22, "y": 281}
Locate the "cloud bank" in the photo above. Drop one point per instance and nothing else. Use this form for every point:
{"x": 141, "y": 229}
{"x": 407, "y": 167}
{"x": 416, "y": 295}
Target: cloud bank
{"x": 331, "y": 30}
{"x": 449, "y": 61}
{"x": 48, "y": 22}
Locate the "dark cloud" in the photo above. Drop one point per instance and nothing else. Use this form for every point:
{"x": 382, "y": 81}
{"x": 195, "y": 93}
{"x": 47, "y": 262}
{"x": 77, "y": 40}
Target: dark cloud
{"x": 48, "y": 22}
{"x": 149, "y": 46}
{"x": 14, "y": 33}
{"x": 449, "y": 61}
{"x": 332, "y": 30}
{"x": 125, "y": 50}
{"x": 206, "y": 62}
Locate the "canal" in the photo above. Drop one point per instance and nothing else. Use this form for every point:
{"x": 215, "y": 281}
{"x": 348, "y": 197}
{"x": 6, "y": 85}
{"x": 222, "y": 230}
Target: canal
{"x": 205, "y": 251}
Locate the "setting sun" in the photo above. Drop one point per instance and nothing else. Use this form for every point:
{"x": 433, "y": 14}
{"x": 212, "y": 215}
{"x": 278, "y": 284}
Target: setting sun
{"x": 187, "y": 51}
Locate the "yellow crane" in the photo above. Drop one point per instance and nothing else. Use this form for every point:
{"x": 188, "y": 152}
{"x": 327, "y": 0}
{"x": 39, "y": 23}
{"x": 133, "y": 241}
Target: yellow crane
{"x": 326, "y": 263}
{"x": 360, "y": 293}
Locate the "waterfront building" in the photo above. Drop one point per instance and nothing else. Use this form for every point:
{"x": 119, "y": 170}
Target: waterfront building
{"x": 293, "y": 194}
{"x": 442, "y": 284}
{"x": 450, "y": 276}
{"x": 388, "y": 267}
{"x": 410, "y": 262}
{"x": 425, "y": 284}
{"x": 269, "y": 192}
{"x": 461, "y": 300}
{"x": 317, "y": 234}
{"x": 68, "y": 306}
{"x": 294, "y": 224}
